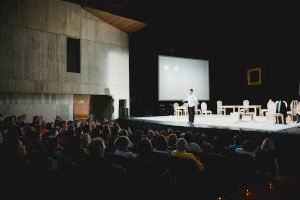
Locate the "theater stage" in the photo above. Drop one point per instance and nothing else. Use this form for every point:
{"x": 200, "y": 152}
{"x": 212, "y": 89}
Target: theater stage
{"x": 223, "y": 122}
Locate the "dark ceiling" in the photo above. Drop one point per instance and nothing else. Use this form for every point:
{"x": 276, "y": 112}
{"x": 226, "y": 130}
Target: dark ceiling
{"x": 216, "y": 26}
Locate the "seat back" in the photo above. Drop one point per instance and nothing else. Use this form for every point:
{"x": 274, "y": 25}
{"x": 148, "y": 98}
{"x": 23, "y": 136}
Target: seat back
{"x": 176, "y": 105}
{"x": 271, "y": 106}
{"x": 246, "y": 103}
{"x": 286, "y": 104}
{"x": 293, "y": 105}
{"x": 203, "y": 106}
{"x": 219, "y": 104}
{"x": 185, "y": 105}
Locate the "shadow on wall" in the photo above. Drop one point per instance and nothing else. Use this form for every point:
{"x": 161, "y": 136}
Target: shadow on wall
{"x": 101, "y": 106}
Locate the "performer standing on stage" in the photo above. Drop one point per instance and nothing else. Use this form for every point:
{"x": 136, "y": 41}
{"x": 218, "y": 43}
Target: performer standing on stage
{"x": 192, "y": 102}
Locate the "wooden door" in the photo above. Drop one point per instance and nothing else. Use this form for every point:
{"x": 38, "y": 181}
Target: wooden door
{"x": 81, "y": 106}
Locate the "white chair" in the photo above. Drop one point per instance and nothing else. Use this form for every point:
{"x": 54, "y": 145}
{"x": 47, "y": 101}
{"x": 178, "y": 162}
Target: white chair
{"x": 204, "y": 109}
{"x": 177, "y": 111}
{"x": 294, "y": 104}
{"x": 245, "y": 108}
{"x": 197, "y": 110}
{"x": 297, "y": 109}
{"x": 293, "y": 107}
{"x": 185, "y": 105}
{"x": 220, "y": 109}
{"x": 286, "y": 104}
{"x": 270, "y": 107}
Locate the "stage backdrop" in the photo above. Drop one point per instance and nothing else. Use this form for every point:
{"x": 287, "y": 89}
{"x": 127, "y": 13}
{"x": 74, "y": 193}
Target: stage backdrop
{"x": 178, "y": 75}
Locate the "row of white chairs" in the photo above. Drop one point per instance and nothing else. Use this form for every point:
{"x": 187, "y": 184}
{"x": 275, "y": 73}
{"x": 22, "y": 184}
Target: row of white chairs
{"x": 183, "y": 110}
{"x": 270, "y": 111}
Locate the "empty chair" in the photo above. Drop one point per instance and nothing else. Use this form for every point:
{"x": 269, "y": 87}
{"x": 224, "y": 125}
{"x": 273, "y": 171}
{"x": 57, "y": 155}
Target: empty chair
{"x": 177, "y": 111}
{"x": 220, "y": 109}
{"x": 294, "y": 104}
{"x": 293, "y": 107}
{"x": 204, "y": 109}
{"x": 245, "y": 108}
{"x": 270, "y": 107}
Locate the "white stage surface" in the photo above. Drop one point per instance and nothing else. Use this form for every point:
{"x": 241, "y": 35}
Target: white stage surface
{"x": 224, "y": 121}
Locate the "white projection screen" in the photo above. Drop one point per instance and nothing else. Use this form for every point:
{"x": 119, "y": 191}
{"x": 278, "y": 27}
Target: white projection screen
{"x": 177, "y": 75}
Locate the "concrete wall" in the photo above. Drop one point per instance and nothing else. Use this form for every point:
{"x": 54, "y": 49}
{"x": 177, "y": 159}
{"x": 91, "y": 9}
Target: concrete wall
{"x": 33, "y": 39}
{"x": 47, "y": 105}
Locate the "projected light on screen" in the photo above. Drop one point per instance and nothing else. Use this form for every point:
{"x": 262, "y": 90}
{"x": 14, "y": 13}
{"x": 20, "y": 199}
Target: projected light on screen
{"x": 178, "y": 75}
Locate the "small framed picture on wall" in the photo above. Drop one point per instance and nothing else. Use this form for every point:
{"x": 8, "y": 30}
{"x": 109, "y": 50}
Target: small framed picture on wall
{"x": 254, "y": 76}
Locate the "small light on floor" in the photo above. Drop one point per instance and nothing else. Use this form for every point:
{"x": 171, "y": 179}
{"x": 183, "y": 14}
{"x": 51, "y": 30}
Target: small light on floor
{"x": 270, "y": 186}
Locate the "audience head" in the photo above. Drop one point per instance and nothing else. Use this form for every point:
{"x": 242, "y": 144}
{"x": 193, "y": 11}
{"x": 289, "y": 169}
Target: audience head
{"x": 150, "y": 134}
{"x": 169, "y": 131}
{"x": 145, "y": 147}
{"x": 163, "y": 132}
{"x": 178, "y": 133}
{"x": 189, "y": 137}
{"x": 115, "y": 130}
{"x": 237, "y": 140}
{"x": 122, "y": 143}
{"x": 267, "y": 145}
{"x": 97, "y": 147}
{"x": 86, "y": 138}
{"x": 205, "y": 137}
{"x": 248, "y": 145}
{"x": 161, "y": 143}
{"x": 92, "y": 125}
{"x": 181, "y": 144}
{"x": 156, "y": 133}
{"x": 123, "y": 132}
{"x": 35, "y": 119}
{"x": 172, "y": 138}
{"x": 198, "y": 138}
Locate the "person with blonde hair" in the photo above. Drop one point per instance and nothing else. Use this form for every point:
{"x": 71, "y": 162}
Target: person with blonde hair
{"x": 181, "y": 152}
{"x": 266, "y": 159}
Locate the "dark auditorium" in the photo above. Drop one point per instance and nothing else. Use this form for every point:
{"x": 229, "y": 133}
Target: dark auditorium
{"x": 149, "y": 100}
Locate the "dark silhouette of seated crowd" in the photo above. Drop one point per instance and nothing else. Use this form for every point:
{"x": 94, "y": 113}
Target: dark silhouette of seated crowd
{"x": 101, "y": 157}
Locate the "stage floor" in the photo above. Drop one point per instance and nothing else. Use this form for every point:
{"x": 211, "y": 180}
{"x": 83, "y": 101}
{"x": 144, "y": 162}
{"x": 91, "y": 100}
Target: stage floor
{"x": 221, "y": 122}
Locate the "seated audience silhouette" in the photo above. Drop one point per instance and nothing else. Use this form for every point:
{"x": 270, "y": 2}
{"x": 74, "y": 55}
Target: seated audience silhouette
{"x": 181, "y": 152}
{"x": 237, "y": 140}
{"x": 247, "y": 148}
{"x": 266, "y": 159}
{"x": 123, "y": 144}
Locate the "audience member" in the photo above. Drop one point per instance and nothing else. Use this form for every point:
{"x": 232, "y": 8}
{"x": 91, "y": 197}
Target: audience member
{"x": 266, "y": 158}
{"x": 145, "y": 149}
{"x": 123, "y": 144}
{"x": 237, "y": 143}
{"x": 199, "y": 140}
{"x": 181, "y": 152}
{"x": 161, "y": 145}
{"x": 191, "y": 145}
{"x": 172, "y": 138}
{"x": 247, "y": 148}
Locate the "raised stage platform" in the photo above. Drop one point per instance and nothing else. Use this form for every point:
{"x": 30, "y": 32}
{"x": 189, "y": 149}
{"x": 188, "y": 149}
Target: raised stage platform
{"x": 259, "y": 124}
